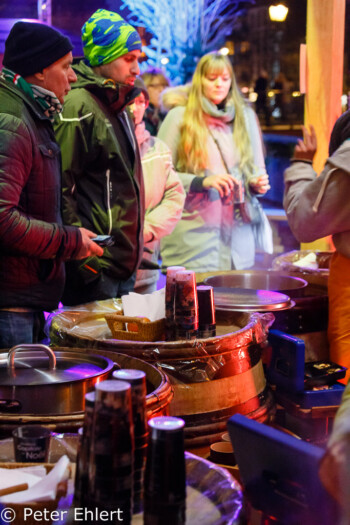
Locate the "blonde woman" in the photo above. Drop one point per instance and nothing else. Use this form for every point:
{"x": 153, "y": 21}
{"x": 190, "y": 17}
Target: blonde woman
{"x": 216, "y": 144}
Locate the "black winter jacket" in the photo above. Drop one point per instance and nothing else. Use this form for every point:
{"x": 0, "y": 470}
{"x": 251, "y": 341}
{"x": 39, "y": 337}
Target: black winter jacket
{"x": 102, "y": 180}
{"x": 33, "y": 241}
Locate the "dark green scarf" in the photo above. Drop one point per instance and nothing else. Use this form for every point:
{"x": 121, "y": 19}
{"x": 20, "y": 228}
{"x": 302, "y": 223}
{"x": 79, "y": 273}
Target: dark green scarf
{"x": 47, "y": 100}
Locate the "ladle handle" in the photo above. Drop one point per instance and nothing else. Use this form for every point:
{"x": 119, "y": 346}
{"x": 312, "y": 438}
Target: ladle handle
{"x": 44, "y": 348}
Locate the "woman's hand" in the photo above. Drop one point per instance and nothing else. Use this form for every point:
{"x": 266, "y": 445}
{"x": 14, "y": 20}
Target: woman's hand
{"x": 306, "y": 149}
{"x": 224, "y": 184}
{"x": 261, "y": 184}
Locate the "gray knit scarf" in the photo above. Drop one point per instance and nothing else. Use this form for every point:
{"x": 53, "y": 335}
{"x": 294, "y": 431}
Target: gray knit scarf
{"x": 226, "y": 115}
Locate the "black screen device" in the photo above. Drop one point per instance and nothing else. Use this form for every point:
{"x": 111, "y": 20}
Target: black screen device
{"x": 280, "y": 474}
{"x": 104, "y": 240}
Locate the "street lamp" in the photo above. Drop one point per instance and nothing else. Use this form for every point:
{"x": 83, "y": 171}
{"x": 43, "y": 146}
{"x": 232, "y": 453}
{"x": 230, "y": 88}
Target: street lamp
{"x": 224, "y": 51}
{"x": 278, "y": 13}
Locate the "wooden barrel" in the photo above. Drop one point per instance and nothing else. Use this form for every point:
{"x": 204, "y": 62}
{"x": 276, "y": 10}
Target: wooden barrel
{"x": 212, "y": 378}
{"x": 159, "y": 395}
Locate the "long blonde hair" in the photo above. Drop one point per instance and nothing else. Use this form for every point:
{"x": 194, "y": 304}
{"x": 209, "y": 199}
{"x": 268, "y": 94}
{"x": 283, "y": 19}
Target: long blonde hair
{"x": 192, "y": 153}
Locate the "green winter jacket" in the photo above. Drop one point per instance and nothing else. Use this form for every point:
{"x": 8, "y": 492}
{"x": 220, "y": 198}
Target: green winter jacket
{"x": 102, "y": 179}
{"x": 33, "y": 242}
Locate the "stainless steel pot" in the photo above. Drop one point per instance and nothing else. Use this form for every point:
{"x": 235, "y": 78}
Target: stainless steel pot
{"x": 259, "y": 280}
{"x": 36, "y": 380}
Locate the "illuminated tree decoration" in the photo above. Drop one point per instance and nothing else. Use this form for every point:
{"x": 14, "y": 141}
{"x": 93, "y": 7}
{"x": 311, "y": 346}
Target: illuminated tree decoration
{"x": 183, "y": 30}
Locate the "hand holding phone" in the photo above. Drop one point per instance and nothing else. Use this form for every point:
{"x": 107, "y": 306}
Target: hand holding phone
{"x": 88, "y": 248}
{"x": 104, "y": 240}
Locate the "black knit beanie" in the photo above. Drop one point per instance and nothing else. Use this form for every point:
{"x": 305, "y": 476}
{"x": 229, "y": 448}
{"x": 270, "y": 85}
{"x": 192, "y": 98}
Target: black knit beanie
{"x": 31, "y": 46}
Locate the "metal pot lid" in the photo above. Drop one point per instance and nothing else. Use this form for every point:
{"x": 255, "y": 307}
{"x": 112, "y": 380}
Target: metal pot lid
{"x": 258, "y": 280}
{"x": 33, "y": 365}
{"x": 244, "y": 300}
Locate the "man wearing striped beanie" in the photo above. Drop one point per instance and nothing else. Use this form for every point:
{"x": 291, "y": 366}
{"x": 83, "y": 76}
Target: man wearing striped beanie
{"x": 102, "y": 174}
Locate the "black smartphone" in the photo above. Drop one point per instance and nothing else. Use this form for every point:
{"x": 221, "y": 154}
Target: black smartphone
{"x": 104, "y": 240}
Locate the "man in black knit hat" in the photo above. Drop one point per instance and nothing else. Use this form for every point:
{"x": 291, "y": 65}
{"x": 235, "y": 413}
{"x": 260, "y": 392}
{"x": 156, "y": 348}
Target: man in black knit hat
{"x": 34, "y": 244}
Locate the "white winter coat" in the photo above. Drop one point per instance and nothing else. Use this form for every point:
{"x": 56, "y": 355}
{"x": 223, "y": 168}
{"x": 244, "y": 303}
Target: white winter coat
{"x": 164, "y": 199}
{"x": 207, "y": 238}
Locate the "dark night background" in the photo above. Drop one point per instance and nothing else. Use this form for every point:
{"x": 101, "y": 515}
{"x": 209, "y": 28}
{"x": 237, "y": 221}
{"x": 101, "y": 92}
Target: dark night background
{"x": 69, "y": 16}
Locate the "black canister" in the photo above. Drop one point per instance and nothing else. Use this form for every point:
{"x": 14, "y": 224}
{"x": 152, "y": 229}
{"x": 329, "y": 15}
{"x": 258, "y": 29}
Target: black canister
{"x": 206, "y": 312}
{"x": 186, "y": 305}
{"x": 170, "y": 301}
{"x": 137, "y": 380}
{"x": 165, "y": 476}
{"x": 81, "y": 487}
{"x": 112, "y": 450}
{"x": 31, "y": 443}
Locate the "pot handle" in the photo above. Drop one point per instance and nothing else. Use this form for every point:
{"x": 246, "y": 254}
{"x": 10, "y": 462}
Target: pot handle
{"x": 44, "y": 348}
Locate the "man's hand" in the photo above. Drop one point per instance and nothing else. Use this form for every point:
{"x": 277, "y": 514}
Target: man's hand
{"x": 306, "y": 149}
{"x": 224, "y": 184}
{"x": 88, "y": 248}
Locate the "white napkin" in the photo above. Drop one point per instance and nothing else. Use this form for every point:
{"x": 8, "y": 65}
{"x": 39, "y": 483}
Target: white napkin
{"x": 11, "y": 477}
{"x": 308, "y": 261}
{"x": 43, "y": 490}
{"x": 37, "y": 470}
{"x": 151, "y": 305}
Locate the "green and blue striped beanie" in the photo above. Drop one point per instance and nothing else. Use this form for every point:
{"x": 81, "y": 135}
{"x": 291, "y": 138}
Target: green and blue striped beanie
{"x": 107, "y": 36}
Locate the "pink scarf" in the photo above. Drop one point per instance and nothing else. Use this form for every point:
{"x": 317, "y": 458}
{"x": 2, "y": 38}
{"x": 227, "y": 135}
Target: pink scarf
{"x": 141, "y": 133}
{"x": 215, "y": 122}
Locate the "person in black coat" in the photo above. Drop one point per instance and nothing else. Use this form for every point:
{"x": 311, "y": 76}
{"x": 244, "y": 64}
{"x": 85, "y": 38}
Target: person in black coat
{"x": 34, "y": 243}
{"x": 261, "y": 105}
